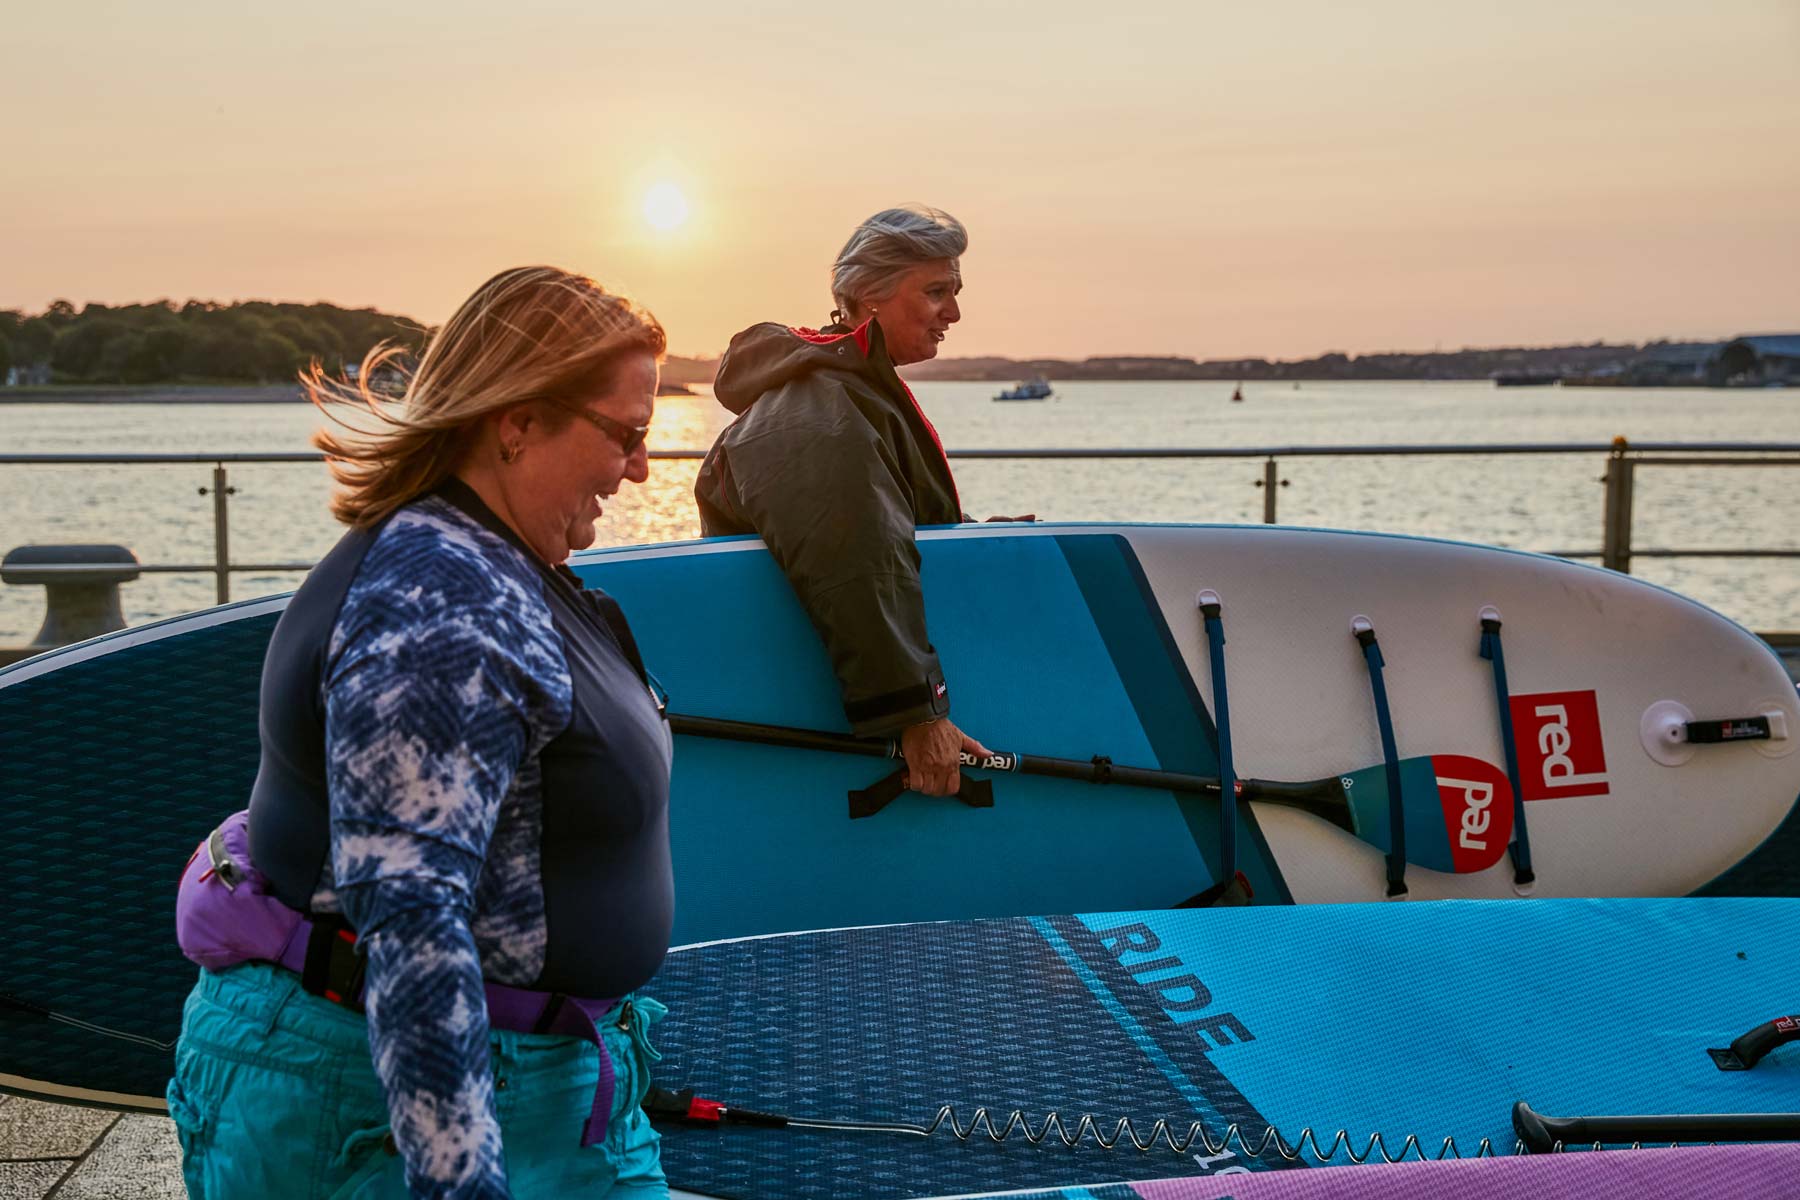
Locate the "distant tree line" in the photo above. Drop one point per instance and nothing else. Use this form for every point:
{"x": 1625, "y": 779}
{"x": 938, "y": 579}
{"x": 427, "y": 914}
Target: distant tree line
{"x": 196, "y": 342}
{"x": 1453, "y": 364}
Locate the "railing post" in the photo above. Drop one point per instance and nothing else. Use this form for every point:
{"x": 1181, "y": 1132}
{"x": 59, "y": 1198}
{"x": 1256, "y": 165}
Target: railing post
{"x": 1269, "y": 483}
{"x": 221, "y": 489}
{"x": 1615, "y": 547}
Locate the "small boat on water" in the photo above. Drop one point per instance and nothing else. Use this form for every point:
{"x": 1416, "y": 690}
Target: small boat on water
{"x": 1526, "y": 378}
{"x": 1237, "y": 394}
{"x": 1033, "y": 389}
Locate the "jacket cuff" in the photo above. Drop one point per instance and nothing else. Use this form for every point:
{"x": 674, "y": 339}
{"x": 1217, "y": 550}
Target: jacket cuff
{"x": 893, "y": 711}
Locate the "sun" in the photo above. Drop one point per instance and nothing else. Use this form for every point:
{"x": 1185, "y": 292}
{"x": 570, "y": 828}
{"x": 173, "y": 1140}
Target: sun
{"x": 665, "y": 207}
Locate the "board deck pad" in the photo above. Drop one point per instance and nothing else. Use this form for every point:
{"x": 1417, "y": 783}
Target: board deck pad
{"x": 118, "y": 755}
{"x": 1423, "y": 1020}
{"x": 1660, "y": 1173}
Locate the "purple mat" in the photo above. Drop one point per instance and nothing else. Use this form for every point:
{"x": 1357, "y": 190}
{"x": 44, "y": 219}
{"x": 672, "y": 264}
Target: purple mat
{"x": 1716, "y": 1172}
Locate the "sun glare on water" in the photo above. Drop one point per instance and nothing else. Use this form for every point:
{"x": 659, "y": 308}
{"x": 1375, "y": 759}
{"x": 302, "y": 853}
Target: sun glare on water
{"x": 665, "y": 207}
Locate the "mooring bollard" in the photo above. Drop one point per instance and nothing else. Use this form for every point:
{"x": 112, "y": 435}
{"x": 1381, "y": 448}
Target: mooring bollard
{"x": 81, "y": 585}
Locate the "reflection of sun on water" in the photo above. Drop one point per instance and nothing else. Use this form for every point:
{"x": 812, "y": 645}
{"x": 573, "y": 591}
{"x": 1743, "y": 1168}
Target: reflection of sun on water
{"x": 662, "y": 508}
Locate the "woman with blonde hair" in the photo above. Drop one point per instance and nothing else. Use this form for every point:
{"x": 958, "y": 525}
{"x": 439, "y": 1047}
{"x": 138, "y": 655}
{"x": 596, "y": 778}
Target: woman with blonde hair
{"x": 422, "y": 941}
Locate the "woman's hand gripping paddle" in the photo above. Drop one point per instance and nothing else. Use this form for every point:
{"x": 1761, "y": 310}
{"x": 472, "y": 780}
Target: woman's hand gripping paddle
{"x": 1459, "y": 810}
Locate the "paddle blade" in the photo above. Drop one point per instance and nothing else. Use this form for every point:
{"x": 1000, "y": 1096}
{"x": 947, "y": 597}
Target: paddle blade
{"x": 1459, "y": 811}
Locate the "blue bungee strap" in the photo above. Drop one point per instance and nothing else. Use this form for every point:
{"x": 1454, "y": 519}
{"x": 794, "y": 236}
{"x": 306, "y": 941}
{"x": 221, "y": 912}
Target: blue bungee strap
{"x": 1364, "y": 630}
{"x": 1523, "y": 875}
{"x": 1209, "y": 605}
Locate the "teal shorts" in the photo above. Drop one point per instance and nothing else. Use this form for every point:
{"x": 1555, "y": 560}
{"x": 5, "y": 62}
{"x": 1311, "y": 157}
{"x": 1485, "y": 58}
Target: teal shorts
{"x": 275, "y": 1096}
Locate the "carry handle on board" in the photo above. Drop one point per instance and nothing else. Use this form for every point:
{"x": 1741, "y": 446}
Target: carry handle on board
{"x": 1750, "y": 1048}
{"x": 1540, "y": 1134}
{"x": 866, "y": 802}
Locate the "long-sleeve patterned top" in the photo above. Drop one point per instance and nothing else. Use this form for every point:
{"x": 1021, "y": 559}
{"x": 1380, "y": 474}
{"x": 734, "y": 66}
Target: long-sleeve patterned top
{"x": 462, "y": 756}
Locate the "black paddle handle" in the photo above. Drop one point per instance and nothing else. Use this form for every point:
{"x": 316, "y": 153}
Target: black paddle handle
{"x": 1540, "y": 1134}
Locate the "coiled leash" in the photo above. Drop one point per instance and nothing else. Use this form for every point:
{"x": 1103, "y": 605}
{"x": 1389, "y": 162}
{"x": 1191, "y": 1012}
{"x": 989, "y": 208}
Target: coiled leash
{"x": 1536, "y": 1133}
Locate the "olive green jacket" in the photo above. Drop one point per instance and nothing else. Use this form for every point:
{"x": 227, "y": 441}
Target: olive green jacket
{"x": 833, "y": 465}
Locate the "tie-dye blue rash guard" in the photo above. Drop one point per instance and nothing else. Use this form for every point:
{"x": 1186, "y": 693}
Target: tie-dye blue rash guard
{"x": 495, "y": 795}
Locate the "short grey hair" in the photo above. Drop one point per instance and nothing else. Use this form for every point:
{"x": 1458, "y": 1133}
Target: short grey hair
{"x": 888, "y": 244}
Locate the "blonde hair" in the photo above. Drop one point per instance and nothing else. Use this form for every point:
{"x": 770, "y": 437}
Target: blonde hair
{"x": 531, "y": 334}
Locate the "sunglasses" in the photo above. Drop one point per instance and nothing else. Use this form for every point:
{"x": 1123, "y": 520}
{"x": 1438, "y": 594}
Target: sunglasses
{"x": 628, "y": 437}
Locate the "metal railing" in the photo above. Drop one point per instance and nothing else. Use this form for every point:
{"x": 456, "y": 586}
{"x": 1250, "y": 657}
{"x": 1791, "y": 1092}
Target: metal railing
{"x": 1616, "y": 551}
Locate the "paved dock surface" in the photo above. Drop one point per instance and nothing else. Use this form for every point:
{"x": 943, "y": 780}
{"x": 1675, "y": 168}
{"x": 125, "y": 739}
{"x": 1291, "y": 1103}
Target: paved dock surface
{"x": 71, "y": 1153}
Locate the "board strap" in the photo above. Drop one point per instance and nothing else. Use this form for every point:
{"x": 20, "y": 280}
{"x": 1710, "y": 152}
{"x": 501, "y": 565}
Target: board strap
{"x": 1232, "y": 890}
{"x": 1364, "y": 631}
{"x": 1523, "y": 876}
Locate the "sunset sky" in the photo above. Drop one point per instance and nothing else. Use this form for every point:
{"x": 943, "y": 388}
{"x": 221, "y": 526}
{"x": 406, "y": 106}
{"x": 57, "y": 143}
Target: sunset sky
{"x": 1196, "y": 178}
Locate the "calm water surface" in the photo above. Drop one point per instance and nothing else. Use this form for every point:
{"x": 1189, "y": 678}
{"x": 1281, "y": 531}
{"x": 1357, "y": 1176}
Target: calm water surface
{"x": 1540, "y": 503}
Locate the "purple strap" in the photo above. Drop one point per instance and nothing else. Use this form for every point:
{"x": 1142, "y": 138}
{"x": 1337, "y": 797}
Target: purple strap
{"x": 225, "y": 914}
{"x": 521, "y": 1010}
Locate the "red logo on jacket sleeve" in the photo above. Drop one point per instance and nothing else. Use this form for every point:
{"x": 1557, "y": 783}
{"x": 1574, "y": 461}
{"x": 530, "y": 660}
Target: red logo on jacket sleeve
{"x": 1560, "y": 751}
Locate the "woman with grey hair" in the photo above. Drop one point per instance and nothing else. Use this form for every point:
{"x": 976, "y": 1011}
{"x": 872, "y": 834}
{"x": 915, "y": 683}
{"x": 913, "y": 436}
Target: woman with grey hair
{"x": 833, "y": 464}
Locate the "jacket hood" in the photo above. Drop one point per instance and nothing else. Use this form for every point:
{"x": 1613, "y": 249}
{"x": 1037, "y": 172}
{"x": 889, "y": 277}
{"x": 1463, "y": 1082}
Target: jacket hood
{"x": 764, "y": 357}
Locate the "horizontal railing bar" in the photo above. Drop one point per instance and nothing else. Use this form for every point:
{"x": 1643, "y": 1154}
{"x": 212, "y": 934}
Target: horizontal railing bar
{"x": 1398, "y": 449}
{"x": 1636, "y": 553}
{"x": 237, "y": 568}
{"x": 1374, "y": 451}
{"x": 1716, "y": 462}
{"x": 272, "y": 456}
{"x": 144, "y": 568}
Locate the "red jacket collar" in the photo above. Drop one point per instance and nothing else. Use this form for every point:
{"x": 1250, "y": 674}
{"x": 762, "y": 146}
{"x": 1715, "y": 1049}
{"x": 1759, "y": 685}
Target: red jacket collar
{"x": 860, "y": 335}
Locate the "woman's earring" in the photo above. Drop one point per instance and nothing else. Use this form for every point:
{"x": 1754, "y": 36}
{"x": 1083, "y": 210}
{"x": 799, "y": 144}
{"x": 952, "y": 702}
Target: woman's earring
{"x": 509, "y": 454}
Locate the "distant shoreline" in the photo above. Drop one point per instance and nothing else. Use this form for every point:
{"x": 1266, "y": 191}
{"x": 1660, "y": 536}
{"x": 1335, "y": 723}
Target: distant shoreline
{"x": 275, "y": 393}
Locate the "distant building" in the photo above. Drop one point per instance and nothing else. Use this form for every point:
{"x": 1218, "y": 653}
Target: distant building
{"x": 1671, "y": 364}
{"x": 390, "y": 377}
{"x": 1759, "y": 360}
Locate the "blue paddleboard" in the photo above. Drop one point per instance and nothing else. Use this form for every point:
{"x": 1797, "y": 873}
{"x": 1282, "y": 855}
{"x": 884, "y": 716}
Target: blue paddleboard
{"x": 1074, "y": 642}
{"x": 1425, "y": 1022}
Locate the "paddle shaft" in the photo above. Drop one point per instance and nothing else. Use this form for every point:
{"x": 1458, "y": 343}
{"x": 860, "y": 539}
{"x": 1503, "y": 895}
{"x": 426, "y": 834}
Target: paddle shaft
{"x": 1323, "y": 798}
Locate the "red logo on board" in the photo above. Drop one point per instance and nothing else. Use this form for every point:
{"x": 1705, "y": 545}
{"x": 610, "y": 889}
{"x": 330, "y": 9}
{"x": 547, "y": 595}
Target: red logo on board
{"x": 1478, "y": 809}
{"x": 1560, "y": 752}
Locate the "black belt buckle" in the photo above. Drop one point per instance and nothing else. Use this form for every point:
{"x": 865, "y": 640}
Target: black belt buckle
{"x": 334, "y": 966}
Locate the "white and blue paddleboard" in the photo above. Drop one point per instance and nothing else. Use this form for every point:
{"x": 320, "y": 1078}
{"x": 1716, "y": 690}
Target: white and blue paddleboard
{"x": 1072, "y": 642}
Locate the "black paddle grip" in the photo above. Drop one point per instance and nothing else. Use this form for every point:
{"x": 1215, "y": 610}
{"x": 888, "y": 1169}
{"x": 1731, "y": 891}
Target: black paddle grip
{"x": 1539, "y": 1134}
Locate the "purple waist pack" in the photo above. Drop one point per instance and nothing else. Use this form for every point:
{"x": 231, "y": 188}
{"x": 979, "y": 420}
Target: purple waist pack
{"x": 224, "y": 912}
{"x": 226, "y": 915}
